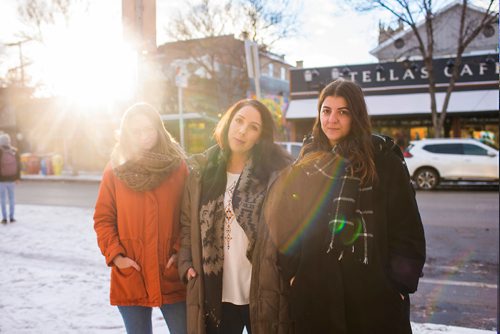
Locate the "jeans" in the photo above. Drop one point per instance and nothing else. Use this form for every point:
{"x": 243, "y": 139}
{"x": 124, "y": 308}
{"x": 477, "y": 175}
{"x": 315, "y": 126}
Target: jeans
{"x": 137, "y": 319}
{"x": 7, "y": 187}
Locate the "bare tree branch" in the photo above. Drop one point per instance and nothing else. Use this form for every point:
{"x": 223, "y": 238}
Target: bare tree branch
{"x": 261, "y": 21}
{"x": 467, "y": 32}
{"x": 37, "y": 16}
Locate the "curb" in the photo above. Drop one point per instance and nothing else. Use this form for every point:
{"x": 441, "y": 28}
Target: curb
{"x": 63, "y": 178}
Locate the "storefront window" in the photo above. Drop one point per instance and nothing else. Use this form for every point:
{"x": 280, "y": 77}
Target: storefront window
{"x": 197, "y": 137}
{"x": 418, "y": 133}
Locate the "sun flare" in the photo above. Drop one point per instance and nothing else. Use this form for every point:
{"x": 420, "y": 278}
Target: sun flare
{"x": 87, "y": 62}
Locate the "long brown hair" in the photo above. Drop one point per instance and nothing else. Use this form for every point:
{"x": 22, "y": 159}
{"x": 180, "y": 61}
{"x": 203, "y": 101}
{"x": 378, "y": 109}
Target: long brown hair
{"x": 126, "y": 150}
{"x": 357, "y": 145}
{"x": 267, "y": 156}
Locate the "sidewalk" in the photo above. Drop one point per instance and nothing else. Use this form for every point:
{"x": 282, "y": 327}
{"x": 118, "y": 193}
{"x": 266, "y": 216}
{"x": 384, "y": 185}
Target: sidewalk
{"x": 66, "y": 176}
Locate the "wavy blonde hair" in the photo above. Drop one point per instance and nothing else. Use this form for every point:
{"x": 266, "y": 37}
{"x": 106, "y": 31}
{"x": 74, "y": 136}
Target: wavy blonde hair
{"x": 126, "y": 148}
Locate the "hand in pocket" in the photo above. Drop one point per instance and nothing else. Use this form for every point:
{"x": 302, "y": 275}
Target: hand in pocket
{"x": 123, "y": 262}
{"x": 191, "y": 273}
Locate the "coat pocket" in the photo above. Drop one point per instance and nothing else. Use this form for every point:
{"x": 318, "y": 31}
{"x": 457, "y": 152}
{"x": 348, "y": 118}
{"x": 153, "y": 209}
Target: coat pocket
{"x": 170, "y": 274}
{"x": 127, "y": 284}
{"x": 195, "y": 316}
{"x": 193, "y": 291}
{"x": 170, "y": 280}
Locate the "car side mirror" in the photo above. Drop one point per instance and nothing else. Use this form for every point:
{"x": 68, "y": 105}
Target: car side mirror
{"x": 492, "y": 154}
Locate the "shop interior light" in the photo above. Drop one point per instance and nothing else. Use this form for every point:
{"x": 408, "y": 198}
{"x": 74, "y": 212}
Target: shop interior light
{"x": 311, "y": 75}
{"x": 489, "y": 60}
{"x": 308, "y": 76}
{"x": 406, "y": 62}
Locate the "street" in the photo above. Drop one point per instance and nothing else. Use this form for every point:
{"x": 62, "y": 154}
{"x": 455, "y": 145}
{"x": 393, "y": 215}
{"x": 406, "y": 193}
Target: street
{"x": 460, "y": 283}
{"x": 460, "y": 280}
{"x": 77, "y": 194}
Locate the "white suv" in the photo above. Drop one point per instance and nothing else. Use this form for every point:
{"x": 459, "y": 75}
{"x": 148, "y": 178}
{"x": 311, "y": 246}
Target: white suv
{"x": 292, "y": 147}
{"x": 432, "y": 160}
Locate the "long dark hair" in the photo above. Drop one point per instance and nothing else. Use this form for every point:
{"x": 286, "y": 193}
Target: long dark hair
{"x": 266, "y": 155}
{"x": 357, "y": 145}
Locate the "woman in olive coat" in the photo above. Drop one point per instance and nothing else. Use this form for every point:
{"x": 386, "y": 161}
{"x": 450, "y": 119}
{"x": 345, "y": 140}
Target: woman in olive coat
{"x": 220, "y": 218}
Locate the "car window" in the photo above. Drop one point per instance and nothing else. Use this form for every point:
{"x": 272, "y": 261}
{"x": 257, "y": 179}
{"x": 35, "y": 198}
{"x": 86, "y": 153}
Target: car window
{"x": 471, "y": 149}
{"x": 291, "y": 147}
{"x": 285, "y": 146}
{"x": 444, "y": 148}
{"x": 296, "y": 150}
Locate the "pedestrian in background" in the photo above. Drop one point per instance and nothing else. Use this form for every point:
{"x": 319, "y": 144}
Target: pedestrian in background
{"x": 347, "y": 225}
{"x": 221, "y": 209}
{"x": 136, "y": 220}
{"x": 10, "y": 173}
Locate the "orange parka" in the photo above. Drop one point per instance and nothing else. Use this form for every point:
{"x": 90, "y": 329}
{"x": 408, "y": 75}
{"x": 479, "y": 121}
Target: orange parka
{"x": 143, "y": 226}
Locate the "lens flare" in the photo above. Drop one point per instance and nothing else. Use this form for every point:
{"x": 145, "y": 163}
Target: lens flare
{"x": 321, "y": 202}
{"x": 436, "y": 295}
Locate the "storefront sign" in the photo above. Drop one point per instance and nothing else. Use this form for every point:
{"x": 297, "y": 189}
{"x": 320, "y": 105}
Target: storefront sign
{"x": 394, "y": 74}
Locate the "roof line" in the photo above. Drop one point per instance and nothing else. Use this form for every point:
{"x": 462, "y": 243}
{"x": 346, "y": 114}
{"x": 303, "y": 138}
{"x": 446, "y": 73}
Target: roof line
{"x": 419, "y": 24}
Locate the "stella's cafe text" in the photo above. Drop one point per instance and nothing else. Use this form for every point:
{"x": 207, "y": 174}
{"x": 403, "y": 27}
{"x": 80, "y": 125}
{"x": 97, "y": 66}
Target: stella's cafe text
{"x": 475, "y": 68}
{"x": 393, "y": 74}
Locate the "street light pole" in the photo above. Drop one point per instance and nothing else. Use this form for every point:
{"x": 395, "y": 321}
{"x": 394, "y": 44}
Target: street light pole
{"x": 181, "y": 116}
{"x": 253, "y": 64}
{"x": 181, "y": 83}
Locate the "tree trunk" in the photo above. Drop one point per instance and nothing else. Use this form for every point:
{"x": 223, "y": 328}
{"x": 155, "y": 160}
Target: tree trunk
{"x": 438, "y": 130}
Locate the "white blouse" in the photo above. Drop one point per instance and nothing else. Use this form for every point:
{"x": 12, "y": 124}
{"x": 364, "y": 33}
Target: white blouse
{"x": 237, "y": 270}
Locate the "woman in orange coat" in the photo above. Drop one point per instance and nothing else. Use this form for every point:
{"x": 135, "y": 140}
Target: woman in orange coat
{"x": 137, "y": 221}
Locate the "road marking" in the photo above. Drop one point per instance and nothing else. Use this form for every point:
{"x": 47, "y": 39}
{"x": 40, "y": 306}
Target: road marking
{"x": 449, "y": 268}
{"x": 458, "y": 283}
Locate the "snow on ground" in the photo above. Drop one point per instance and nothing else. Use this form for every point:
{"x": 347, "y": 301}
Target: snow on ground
{"x": 54, "y": 279}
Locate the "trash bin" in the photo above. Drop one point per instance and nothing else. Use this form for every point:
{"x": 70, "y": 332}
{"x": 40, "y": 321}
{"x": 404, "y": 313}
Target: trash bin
{"x": 46, "y": 165}
{"x": 57, "y": 164}
{"x": 33, "y": 164}
{"x": 43, "y": 166}
{"x": 24, "y": 158}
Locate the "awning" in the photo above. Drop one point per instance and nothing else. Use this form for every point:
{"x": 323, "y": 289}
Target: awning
{"x": 406, "y": 104}
{"x": 189, "y": 116}
{"x": 176, "y": 117}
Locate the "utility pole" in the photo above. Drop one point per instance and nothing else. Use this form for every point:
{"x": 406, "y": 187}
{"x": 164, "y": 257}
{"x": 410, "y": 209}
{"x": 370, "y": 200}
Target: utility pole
{"x": 139, "y": 29}
{"x": 181, "y": 81}
{"x": 253, "y": 64}
{"x": 21, "y": 58}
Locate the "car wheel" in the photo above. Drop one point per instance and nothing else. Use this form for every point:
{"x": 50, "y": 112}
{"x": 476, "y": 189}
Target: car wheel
{"x": 426, "y": 179}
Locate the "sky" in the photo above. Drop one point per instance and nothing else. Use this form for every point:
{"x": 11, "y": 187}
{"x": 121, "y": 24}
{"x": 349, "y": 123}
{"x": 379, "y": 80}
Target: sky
{"x": 58, "y": 282}
{"x": 330, "y": 34}
{"x": 88, "y": 63}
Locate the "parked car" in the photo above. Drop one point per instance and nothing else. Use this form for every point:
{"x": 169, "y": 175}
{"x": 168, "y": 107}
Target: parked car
{"x": 292, "y": 147}
{"x": 431, "y": 161}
